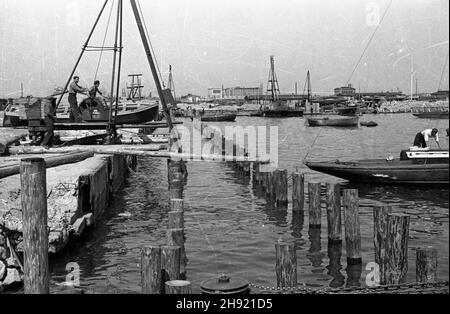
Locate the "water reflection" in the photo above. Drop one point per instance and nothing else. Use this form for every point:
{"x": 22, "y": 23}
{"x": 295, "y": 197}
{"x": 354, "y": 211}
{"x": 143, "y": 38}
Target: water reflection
{"x": 334, "y": 267}
{"x": 315, "y": 254}
{"x": 354, "y": 273}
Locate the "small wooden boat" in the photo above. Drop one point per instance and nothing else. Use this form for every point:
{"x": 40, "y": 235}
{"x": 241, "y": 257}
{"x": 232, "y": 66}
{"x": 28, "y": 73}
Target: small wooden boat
{"x": 218, "y": 116}
{"x": 369, "y": 124}
{"x": 432, "y": 115}
{"x": 413, "y": 167}
{"x": 287, "y": 113}
{"x": 337, "y": 122}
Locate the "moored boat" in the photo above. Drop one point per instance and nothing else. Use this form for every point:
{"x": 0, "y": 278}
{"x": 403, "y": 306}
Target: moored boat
{"x": 218, "y": 116}
{"x": 369, "y": 124}
{"x": 413, "y": 167}
{"x": 336, "y": 122}
{"x": 432, "y": 115}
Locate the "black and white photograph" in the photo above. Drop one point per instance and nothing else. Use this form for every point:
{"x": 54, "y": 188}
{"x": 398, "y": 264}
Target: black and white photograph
{"x": 226, "y": 154}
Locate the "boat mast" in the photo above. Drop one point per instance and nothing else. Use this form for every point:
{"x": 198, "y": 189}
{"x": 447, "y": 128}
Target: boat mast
{"x": 113, "y": 80}
{"x": 272, "y": 85}
{"x": 120, "y": 58}
{"x": 79, "y": 58}
{"x": 151, "y": 62}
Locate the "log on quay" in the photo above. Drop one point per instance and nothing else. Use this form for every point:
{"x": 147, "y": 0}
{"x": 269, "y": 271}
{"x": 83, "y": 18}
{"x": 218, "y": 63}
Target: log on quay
{"x": 50, "y": 162}
{"x": 9, "y": 137}
{"x": 152, "y": 151}
{"x": 98, "y": 149}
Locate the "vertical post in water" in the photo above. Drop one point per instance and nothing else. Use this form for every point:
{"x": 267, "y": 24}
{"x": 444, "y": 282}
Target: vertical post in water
{"x": 175, "y": 237}
{"x": 298, "y": 192}
{"x": 315, "y": 210}
{"x": 269, "y": 189}
{"x": 178, "y": 287}
{"x": 397, "y": 248}
{"x": 380, "y": 219}
{"x": 352, "y": 227}
{"x": 281, "y": 188}
{"x": 334, "y": 216}
{"x": 426, "y": 265}
{"x": 33, "y": 183}
{"x": 151, "y": 271}
{"x": 286, "y": 265}
{"x": 170, "y": 263}
{"x": 176, "y": 220}
{"x": 177, "y": 205}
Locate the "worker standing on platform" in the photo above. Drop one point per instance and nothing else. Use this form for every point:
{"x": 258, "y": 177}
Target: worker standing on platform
{"x": 75, "y": 89}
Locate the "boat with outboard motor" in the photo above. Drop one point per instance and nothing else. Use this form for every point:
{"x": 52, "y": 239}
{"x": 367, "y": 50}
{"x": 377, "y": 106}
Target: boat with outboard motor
{"x": 415, "y": 166}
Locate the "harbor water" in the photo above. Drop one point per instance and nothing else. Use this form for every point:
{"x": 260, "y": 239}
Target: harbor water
{"x": 230, "y": 229}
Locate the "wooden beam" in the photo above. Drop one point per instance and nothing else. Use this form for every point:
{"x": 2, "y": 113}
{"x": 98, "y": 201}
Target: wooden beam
{"x": 50, "y": 162}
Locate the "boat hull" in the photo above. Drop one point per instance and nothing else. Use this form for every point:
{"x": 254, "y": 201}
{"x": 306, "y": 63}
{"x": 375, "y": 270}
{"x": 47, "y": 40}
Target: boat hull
{"x": 432, "y": 115}
{"x": 386, "y": 172}
{"x": 220, "y": 118}
{"x": 344, "y": 122}
{"x": 282, "y": 113}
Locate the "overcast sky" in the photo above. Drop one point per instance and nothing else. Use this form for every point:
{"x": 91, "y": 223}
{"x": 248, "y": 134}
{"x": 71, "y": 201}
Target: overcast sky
{"x": 211, "y": 43}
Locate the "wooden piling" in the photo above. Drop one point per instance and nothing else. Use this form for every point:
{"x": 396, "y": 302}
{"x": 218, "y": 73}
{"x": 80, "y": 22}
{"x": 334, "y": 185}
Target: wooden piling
{"x": 298, "y": 192}
{"x": 334, "y": 216}
{"x": 170, "y": 263}
{"x": 177, "y": 205}
{"x": 151, "y": 271}
{"x": 286, "y": 265}
{"x": 178, "y": 287}
{"x": 33, "y": 183}
{"x": 426, "y": 265}
{"x": 281, "y": 188}
{"x": 315, "y": 210}
{"x": 176, "y": 220}
{"x": 397, "y": 248}
{"x": 270, "y": 185}
{"x": 175, "y": 237}
{"x": 352, "y": 227}
{"x": 380, "y": 219}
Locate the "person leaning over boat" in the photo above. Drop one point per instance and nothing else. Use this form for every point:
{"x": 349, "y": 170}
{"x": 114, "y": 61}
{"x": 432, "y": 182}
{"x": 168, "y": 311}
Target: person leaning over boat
{"x": 422, "y": 138}
{"x": 75, "y": 89}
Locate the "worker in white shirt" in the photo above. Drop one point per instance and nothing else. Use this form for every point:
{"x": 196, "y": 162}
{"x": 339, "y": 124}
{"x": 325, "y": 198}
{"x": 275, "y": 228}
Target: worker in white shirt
{"x": 422, "y": 139}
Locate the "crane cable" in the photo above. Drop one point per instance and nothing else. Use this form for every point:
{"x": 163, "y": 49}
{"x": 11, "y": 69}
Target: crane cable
{"x": 104, "y": 40}
{"x": 443, "y": 71}
{"x": 370, "y": 40}
{"x": 150, "y": 42}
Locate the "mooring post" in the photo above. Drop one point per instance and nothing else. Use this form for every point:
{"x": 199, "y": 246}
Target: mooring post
{"x": 176, "y": 220}
{"x": 170, "y": 263}
{"x": 298, "y": 192}
{"x": 178, "y": 287}
{"x": 286, "y": 265}
{"x": 334, "y": 216}
{"x": 176, "y": 175}
{"x": 151, "y": 271}
{"x": 380, "y": 219}
{"x": 426, "y": 265}
{"x": 269, "y": 189}
{"x": 352, "y": 227}
{"x": 175, "y": 237}
{"x": 315, "y": 210}
{"x": 397, "y": 248}
{"x": 281, "y": 188}
{"x": 33, "y": 184}
{"x": 177, "y": 205}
